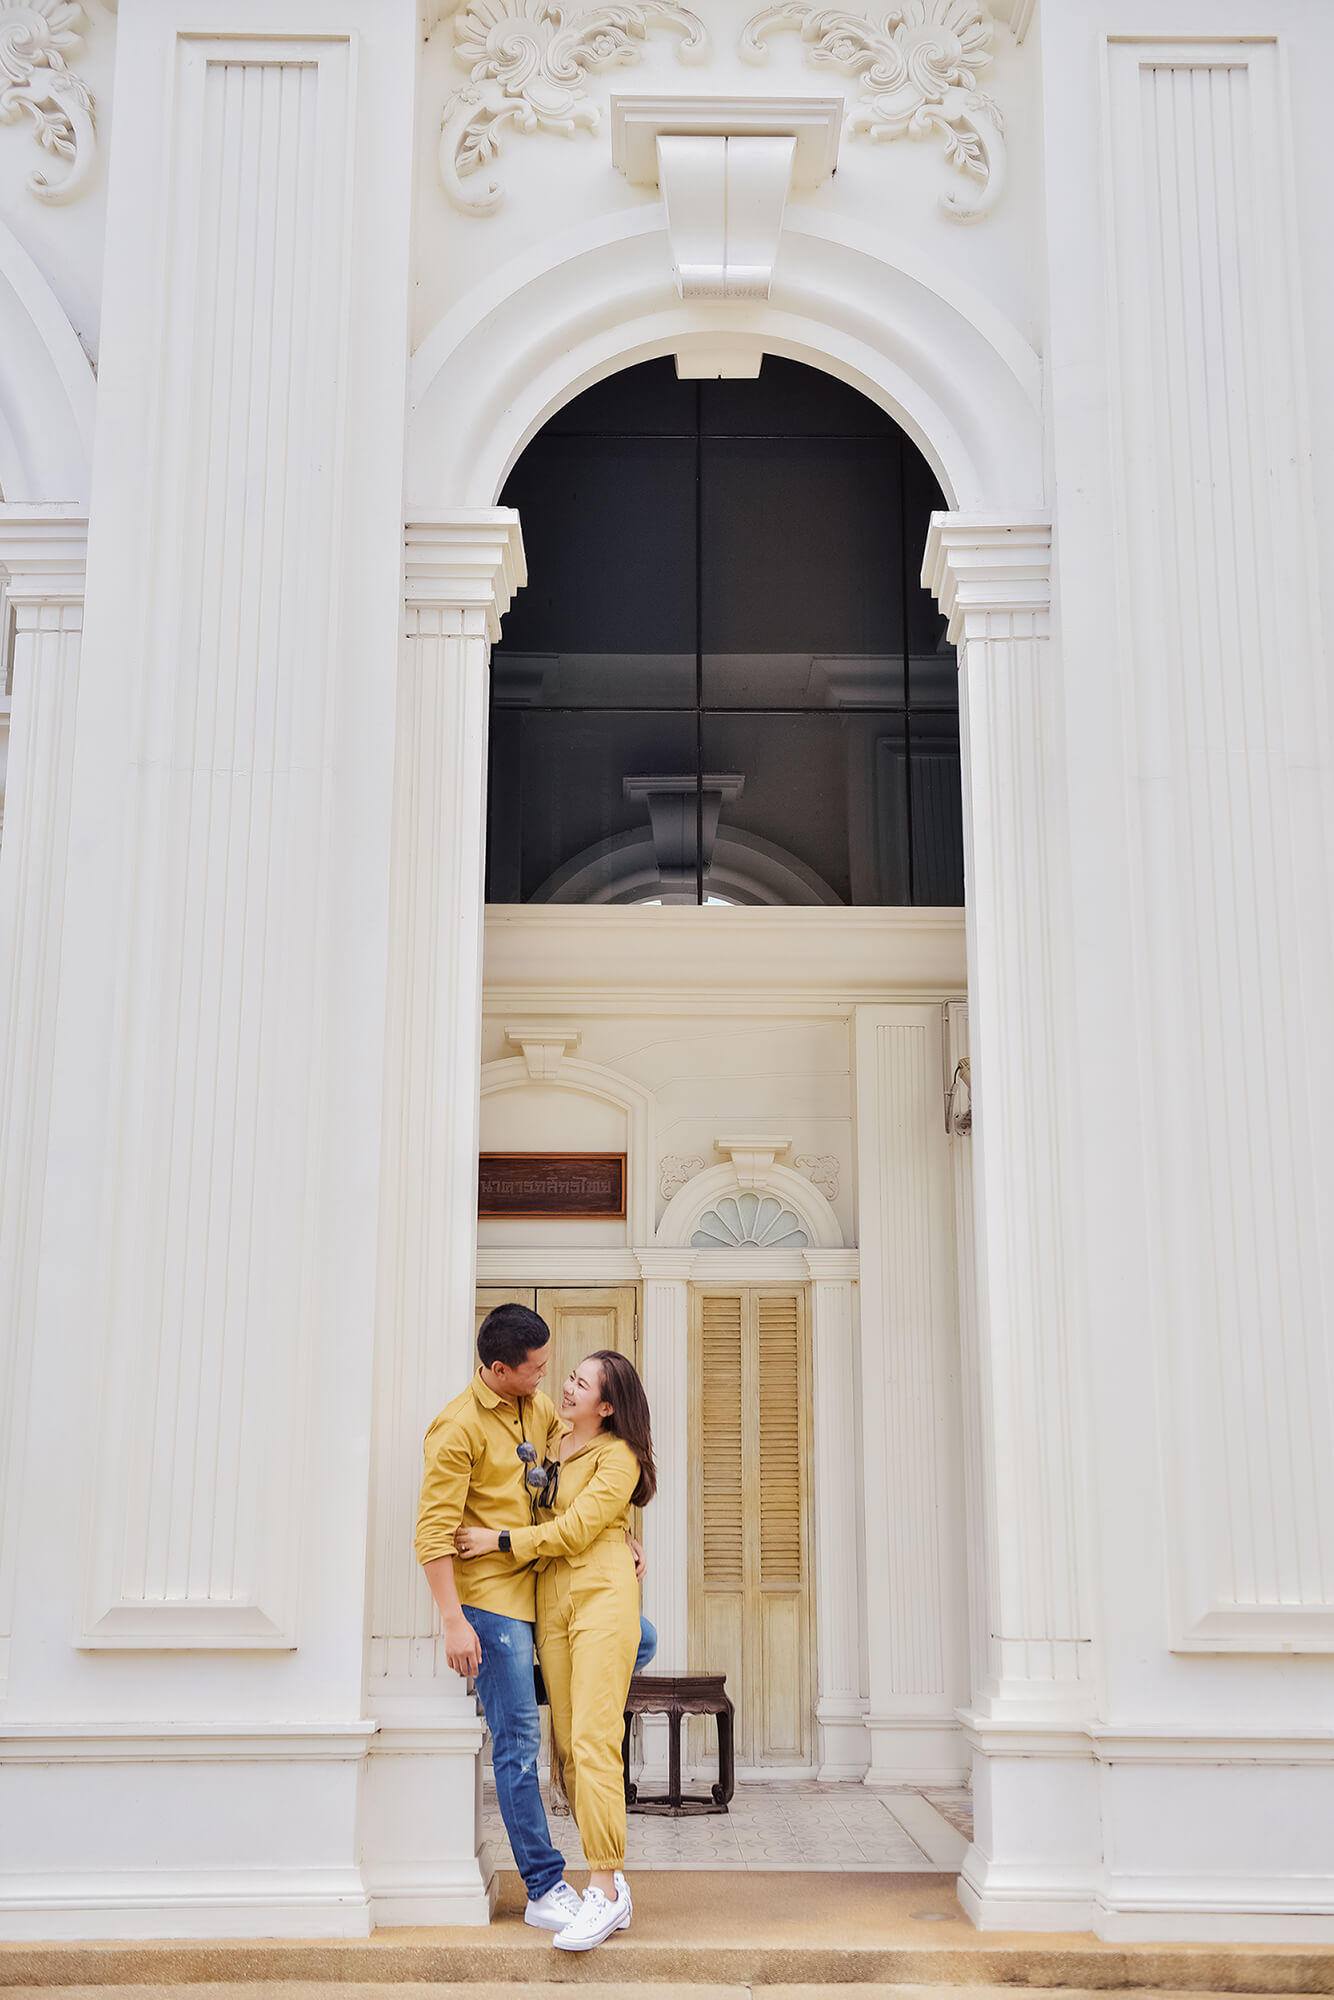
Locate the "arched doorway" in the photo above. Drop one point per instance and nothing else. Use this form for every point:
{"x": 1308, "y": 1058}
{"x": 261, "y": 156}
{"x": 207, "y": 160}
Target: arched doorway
{"x": 966, "y": 388}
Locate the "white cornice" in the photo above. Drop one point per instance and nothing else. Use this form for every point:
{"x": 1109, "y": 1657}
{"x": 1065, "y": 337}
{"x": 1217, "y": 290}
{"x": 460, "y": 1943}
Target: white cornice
{"x": 638, "y": 121}
{"x": 470, "y": 558}
{"x": 988, "y": 565}
{"x": 591, "y": 959}
{"x": 43, "y": 552}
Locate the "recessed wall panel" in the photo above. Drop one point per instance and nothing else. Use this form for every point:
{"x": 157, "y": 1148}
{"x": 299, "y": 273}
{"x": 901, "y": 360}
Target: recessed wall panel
{"x": 1230, "y": 730}
{"x": 216, "y": 1153}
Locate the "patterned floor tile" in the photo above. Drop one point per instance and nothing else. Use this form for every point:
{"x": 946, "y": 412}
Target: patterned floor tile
{"x": 823, "y": 1828}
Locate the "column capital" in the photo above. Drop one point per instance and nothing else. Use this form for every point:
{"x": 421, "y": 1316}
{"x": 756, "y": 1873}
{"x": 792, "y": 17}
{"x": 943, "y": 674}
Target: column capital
{"x": 671, "y": 1266}
{"x": 833, "y": 1266}
{"x": 43, "y": 554}
{"x": 988, "y": 564}
{"x": 469, "y": 559}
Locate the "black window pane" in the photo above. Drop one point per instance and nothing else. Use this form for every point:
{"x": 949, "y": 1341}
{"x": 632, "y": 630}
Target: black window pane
{"x": 591, "y": 807}
{"x": 787, "y": 399}
{"x": 609, "y": 530}
{"x": 801, "y": 547}
{"x": 648, "y": 401}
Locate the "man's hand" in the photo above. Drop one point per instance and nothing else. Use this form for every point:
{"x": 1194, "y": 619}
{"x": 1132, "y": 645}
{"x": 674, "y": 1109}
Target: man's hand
{"x": 476, "y": 1541}
{"x": 637, "y": 1551}
{"x": 463, "y": 1648}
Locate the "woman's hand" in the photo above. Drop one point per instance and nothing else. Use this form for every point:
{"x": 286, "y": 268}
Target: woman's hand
{"x": 476, "y": 1541}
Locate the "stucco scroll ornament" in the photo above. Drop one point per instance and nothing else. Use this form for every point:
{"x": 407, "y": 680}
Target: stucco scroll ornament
{"x": 36, "y": 82}
{"x": 529, "y": 61}
{"x": 917, "y": 64}
{"x": 821, "y": 1170}
{"x": 674, "y": 1170}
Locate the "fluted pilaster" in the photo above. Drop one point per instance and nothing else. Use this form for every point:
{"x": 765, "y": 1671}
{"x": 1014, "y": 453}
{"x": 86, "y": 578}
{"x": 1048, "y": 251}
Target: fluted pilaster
{"x": 993, "y": 580}
{"x": 42, "y": 552}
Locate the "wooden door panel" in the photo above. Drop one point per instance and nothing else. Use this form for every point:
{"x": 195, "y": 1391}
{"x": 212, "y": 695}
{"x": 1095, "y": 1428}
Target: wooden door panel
{"x": 750, "y": 1583}
{"x": 783, "y": 1710}
{"x": 582, "y": 1320}
{"x": 491, "y": 1296}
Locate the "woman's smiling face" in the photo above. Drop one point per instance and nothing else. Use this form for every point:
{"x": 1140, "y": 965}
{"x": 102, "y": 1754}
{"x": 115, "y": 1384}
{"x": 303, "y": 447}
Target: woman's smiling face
{"x": 582, "y": 1396}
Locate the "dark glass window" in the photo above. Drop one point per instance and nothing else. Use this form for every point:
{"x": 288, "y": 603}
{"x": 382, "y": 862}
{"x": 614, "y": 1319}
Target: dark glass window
{"x": 723, "y": 681}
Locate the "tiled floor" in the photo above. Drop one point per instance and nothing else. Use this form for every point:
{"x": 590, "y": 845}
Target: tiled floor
{"x": 778, "y": 1826}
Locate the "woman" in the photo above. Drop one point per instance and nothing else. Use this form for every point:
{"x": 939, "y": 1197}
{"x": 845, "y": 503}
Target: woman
{"x": 588, "y": 1614}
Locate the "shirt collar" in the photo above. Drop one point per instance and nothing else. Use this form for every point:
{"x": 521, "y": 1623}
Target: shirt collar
{"x": 488, "y": 1398}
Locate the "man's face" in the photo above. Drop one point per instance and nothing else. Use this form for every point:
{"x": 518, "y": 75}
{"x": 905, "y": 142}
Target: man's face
{"x": 526, "y": 1379}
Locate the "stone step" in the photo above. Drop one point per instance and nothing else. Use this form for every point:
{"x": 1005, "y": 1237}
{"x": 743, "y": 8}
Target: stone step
{"x": 747, "y": 1932}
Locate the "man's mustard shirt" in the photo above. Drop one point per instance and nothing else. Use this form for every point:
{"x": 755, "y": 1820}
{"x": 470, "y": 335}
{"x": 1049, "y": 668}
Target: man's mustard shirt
{"x": 474, "y": 1478}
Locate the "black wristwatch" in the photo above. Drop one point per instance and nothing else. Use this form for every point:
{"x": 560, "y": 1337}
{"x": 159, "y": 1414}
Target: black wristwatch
{"x": 504, "y": 1541}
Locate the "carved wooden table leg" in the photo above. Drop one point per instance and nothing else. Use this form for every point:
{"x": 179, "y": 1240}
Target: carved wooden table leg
{"x": 726, "y": 1784}
{"x": 631, "y": 1791}
{"x": 674, "y": 1754}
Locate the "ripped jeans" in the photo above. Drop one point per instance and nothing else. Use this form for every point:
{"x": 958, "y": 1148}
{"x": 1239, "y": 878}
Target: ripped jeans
{"x": 504, "y": 1686}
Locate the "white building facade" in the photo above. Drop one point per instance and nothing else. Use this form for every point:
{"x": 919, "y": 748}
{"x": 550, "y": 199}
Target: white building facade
{"x": 286, "y": 291}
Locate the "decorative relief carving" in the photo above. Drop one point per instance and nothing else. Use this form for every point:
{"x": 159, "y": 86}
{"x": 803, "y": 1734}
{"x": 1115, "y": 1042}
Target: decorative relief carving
{"x": 917, "y": 63}
{"x": 959, "y": 1101}
{"x": 674, "y": 1170}
{"x": 529, "y": 60}
{"x": 749, "y": 1219}
{"x": 821, "y": 1170}
{"x": 36, "y": 82}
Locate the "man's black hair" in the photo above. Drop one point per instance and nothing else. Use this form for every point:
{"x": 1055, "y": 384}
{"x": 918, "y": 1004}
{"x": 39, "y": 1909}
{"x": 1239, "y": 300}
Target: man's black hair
{"x": 509, "y": 1334}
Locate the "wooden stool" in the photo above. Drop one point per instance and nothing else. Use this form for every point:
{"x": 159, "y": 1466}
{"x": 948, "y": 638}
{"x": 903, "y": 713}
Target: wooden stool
{"x": 675, "y": 1695}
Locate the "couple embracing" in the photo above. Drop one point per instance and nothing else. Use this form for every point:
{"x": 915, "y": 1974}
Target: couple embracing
{"x": 525, "y": 1519}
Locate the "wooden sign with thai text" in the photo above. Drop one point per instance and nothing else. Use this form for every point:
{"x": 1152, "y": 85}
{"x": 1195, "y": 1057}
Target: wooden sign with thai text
{"x": 548, "y": 1186}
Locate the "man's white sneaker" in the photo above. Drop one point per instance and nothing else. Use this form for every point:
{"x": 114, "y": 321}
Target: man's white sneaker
{"x": 597, "y": 1919}
{"x": 557, "y": 1908}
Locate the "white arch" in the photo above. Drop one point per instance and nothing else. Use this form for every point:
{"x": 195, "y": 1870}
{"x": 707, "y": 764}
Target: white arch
{"x": 940, "y": 358}
{"x": 681, "y": 1217}
{"x": 47, "y": 390}
{"x": 592, "y": 1080}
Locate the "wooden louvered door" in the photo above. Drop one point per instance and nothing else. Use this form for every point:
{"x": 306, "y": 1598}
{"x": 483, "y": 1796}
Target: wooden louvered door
{"x": 750, "y": 1586}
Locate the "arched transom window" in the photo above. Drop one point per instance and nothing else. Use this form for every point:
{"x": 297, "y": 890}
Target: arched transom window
{"x": 724, "y": 682}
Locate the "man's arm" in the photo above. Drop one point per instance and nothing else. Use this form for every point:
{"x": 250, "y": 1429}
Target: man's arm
{"x": 463, "y": 1648}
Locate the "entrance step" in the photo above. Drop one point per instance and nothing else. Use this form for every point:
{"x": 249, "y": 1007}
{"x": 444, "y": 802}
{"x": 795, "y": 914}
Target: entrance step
{"x": 695, "y": 1934}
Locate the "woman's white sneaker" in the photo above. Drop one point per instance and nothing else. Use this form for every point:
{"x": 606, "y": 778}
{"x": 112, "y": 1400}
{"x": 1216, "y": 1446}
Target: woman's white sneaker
{"x": 557, "y": 1908}
{"x": 597, "y": 1919}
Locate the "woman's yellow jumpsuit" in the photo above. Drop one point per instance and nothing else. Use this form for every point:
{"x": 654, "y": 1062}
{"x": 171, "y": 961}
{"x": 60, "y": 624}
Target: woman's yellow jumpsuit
{"x": 588, "y": 1633}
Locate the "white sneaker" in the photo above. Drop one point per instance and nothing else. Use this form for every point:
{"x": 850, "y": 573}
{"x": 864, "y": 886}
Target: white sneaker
{"x": 558, "y": 1907}
{"x": 623, "y": 1890}
{"x": 597, "y": 1919}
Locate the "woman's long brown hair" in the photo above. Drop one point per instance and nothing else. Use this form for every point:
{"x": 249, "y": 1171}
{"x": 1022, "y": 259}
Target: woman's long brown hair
{"x": 629, "y": 1419}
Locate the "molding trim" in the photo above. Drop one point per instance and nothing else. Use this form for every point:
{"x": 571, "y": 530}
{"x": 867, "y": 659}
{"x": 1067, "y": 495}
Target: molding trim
{"x": 184, "y": 1742}
{"x": 612, "y": 1087}
{"x": 981, "y": 565}
{"x": 916, "y": 75}
{"x": 43, "y": 554}
{"x": 469, "y": 559}
{"x": 529, "y": 62}
{"x": 639, "y": 121}
{"x": 682, "y": 1214}
{"x": 36, "y": 38}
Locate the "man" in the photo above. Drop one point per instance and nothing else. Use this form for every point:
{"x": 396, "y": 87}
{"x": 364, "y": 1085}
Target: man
{"x": 475, "y": 1477}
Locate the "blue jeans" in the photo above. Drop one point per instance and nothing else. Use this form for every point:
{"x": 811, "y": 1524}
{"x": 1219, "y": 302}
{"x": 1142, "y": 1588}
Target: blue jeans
{"x": 504, "y": 1685}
